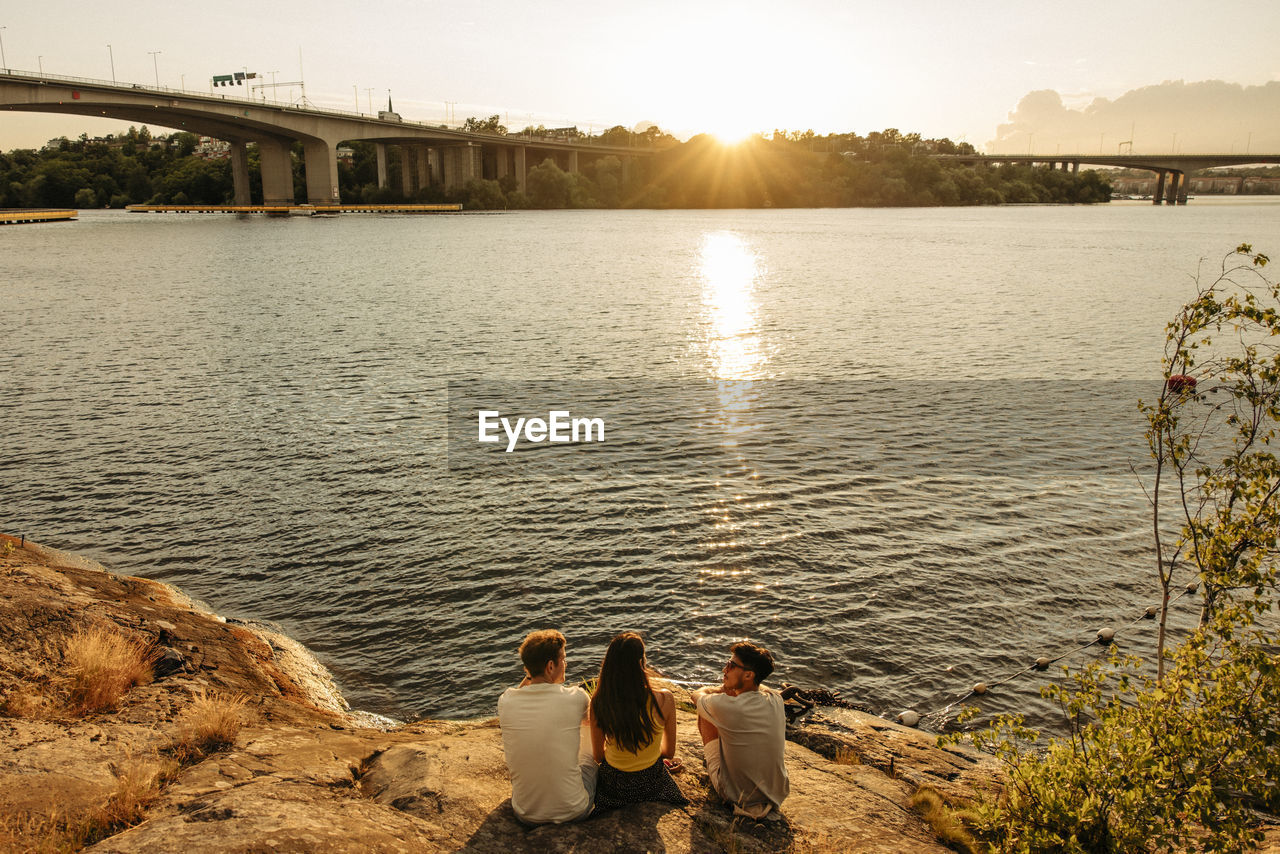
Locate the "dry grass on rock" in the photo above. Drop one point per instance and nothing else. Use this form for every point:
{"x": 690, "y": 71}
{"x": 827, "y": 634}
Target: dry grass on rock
{"x": 930, "y": 805}
{"x": 28, "y": 833}
{"x": 25, "y": 700}
{"x": 138, "y": 785}
{"x": 210, "y": 723}
{"x": 103, "y": 663}
{"x": 847, "y": 756}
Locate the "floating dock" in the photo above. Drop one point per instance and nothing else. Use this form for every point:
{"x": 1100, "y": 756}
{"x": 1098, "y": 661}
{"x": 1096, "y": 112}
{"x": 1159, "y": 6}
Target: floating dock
{"x": 294, "y": 210}
{"x": 10, "y": 216}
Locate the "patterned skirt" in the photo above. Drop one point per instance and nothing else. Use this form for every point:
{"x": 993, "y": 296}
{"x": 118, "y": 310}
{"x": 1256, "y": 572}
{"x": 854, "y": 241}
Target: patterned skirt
{"x": 616, "y": 788}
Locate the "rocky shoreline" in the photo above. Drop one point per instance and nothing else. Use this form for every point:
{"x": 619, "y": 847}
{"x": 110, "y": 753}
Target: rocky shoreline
{"x": 304, "y": 773}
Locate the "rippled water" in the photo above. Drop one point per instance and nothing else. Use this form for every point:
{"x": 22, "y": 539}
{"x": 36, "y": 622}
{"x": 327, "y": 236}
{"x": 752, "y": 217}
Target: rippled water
{"x": 890, "y": 445}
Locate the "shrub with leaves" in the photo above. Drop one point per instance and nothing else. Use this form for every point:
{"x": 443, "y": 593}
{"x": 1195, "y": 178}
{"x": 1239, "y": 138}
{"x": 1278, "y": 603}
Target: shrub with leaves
{"x": 1187, "y": 756}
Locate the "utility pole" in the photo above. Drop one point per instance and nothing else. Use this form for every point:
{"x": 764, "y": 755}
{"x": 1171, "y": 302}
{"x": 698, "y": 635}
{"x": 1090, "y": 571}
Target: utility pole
{"x": 3, "y": 61}
{"x": 112, "y": 56}
{"x": 40, "y": 63}
{"x": 155, "y": 63}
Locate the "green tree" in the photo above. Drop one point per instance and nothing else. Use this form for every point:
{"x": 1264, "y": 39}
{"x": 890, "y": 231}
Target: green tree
{"x": 483, "y": 195}
{"x": 184, "y": 143}
{"x": 549, "y": 186}
{"x": 616, "y": 135}
{"x": 493, "y": 124}
{"x": 56, "y": 182}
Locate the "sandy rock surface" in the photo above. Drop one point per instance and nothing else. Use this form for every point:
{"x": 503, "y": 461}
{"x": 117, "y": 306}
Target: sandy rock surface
{"x": 303, "y": 775}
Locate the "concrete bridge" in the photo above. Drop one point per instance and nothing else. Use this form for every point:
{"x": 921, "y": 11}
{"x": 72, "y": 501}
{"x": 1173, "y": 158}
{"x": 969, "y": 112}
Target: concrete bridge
{"x": 1173, "y": 167}
{"x": 428, "y": 155}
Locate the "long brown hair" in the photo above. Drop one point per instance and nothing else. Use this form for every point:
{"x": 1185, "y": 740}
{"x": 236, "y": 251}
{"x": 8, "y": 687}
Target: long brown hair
{"x": 623, "y": 705}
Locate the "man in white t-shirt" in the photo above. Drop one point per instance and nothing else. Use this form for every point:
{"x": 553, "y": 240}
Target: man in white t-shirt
{"x": 553, "y": 776}
{"x": 744, "y": 730}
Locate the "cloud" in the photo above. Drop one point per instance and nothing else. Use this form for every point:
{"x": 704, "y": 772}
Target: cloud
{"x": 1205, "y": 117}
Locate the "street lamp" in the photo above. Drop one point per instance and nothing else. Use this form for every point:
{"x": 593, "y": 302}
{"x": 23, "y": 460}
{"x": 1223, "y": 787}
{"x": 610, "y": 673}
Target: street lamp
{"x": 112, "y": 55}
{"x": 40, "y": 63}
{"x": 3, "y": 61}
{"x": 155, "y": 63}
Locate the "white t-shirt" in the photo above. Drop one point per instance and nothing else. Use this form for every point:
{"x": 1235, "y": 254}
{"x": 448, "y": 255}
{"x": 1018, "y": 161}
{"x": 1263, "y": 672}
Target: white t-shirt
{"x": 753, "y": 738}
{"x": 540, "y": 736}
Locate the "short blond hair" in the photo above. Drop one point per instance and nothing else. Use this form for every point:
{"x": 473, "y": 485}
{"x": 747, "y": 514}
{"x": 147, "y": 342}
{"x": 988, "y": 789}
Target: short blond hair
{"x": 539, "y": 649}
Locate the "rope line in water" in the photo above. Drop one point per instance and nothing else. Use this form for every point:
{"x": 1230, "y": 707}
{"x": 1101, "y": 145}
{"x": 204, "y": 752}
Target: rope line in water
{"x": 1105, "y": 636}
{"x": 910, "y": 717}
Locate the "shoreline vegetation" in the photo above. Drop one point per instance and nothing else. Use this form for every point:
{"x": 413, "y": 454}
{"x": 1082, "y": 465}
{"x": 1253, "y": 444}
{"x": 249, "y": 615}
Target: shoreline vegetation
{"x": 134, "y": 721}
{"x": 789, "y": 170}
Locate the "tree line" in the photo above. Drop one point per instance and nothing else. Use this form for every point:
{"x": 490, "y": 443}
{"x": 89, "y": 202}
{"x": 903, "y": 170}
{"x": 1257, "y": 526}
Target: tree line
{"x": 785, "y": 169}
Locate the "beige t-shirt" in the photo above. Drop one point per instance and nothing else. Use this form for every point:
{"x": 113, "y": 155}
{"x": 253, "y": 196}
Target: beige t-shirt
{"x": 753, "y": 737}
{"x": 541, "y": 738}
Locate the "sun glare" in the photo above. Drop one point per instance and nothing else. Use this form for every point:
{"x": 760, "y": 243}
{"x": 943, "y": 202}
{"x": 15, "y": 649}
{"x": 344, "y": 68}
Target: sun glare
{"x": 729, "y": 135}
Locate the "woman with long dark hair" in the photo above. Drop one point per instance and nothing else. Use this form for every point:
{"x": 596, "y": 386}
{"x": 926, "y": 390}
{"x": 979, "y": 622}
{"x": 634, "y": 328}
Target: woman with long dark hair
{"x": 633, "y": 729}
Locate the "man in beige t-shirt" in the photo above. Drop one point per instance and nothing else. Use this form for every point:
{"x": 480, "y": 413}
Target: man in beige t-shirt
{"x": 743, "y": 727}
{"x": 553, "y": 777}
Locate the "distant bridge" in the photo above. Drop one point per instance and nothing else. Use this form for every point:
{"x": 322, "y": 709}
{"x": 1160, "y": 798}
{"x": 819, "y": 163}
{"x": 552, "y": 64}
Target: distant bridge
{"x": 428, "y": 155}
{"x": 1173, "y": 166}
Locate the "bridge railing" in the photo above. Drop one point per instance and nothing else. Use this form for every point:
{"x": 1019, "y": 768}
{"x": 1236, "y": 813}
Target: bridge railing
{"x": 187, "y": 93}
{"x": 134, "y": 88}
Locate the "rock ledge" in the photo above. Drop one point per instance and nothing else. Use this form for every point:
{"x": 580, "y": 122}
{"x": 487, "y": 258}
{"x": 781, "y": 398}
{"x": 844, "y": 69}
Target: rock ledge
{"x": 306, "y": 775}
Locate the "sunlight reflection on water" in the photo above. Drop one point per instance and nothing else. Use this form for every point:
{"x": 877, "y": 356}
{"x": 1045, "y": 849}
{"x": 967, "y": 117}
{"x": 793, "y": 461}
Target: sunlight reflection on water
{"x": 730, "y": 270}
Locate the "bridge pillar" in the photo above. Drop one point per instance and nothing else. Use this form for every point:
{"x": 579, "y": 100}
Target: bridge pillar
{"x": 521, "y": 164}
{"x": 277, "y": 172}
{"x": 461, "y": 164}
{"x": 1171, "y": 194}
{"x": 1184, "y": 187}
{"x": 406, "y": 172}
{"x": 424, "y": 167}
{"x": 322, "y": 172}
{"x": 435, "y": 167}
{"x": 1157, "y": 196}
{"x": 240, "y": 173}
{"x": 1075, "y": 167}
{"x": 503, "y": 154}
{"x": 380, "y": 148}
{"x": 573, "y": 161}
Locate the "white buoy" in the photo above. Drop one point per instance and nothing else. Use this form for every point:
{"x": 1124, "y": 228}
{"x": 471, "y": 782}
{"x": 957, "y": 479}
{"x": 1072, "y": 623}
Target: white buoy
{"x": 908, "y": 718}
{"x": 1106, "y": 635}
{"x": 980, "y": 688}
{"x": 1151, "y": 612}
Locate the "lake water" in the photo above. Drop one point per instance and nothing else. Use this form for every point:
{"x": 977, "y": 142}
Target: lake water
{"x": 891, "y": 445}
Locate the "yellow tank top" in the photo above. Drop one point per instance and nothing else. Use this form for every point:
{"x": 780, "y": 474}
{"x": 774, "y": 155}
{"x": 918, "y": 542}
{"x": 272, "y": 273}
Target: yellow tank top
{"x": 625, "y": 760}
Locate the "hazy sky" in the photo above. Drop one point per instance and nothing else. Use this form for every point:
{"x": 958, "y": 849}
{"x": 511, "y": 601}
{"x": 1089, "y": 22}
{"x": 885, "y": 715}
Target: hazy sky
{"x": 940, "y": 68}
